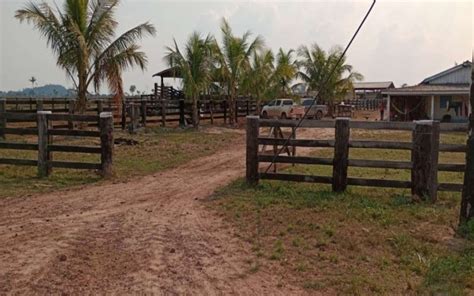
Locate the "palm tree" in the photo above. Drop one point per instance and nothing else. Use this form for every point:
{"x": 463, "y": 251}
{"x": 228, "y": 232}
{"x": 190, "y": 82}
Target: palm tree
{"x": 233, "y": 58}
{"x": 316, "y": 65}
{"x": 82, "y": 38}
{"x": 286, "y": 70}
{"x": 259, "y": 79}
{"x": 194, "y": 64}
{"x": 33, "y": 81}
{"x": 133, "y": 88}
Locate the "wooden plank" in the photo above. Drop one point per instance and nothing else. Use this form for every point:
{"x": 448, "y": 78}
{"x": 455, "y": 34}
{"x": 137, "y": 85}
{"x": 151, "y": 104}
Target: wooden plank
{"x": 23, "y": 162}
{"x": 450, "y": 187}
{"x": 294, "y": 123}
{"x": 75, "y": 165}
{"x": 296, "y": 142}
{"x": 378, "y": 183}
{"x": 74, "y": 117}
{"x": 18, "y": 116}
{"x": 295, "y": 159}
{"x": 18, "y": 146}
{"x": 74, "y": 149}
{"x": 43, "y": 141}
{"x": 384, "y": 164}
{"x": 20, "y": 131}
{"x": 383, "y": 125}
{"x": 381, "y": 145}
{"x": 296, "y": 178}
{"x": 454, "y": 127}
{"x": 453, "y": 148}
{"x": 451, "y": 167}
{"x": 74, "y": 133}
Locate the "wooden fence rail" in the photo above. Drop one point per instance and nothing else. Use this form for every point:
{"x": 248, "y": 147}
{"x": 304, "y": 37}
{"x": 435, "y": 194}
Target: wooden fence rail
{"x": 45, "y": 146}
{"x": 425, "y": 148}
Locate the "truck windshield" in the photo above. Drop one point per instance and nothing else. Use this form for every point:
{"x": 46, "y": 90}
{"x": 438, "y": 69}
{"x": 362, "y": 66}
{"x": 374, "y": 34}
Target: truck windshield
{"x": 287, "y": 102}
{"x": 307, "y": 102}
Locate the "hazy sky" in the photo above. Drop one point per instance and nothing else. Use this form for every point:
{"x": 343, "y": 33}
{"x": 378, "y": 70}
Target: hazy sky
{"x": 402, "y": 41}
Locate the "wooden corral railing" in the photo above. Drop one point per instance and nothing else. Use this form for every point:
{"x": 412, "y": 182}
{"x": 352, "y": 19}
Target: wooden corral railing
{"x": 139, "y": 110}
{"x": 45, "y": 145}
{"x": 364, "y": 104}
{"x": 425, "y": 148}
{"x": 147, "y": 110}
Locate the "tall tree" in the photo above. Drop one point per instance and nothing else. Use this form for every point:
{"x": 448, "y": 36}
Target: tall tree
{"x": 286, "y": 70}
{"x": 467, "y": 201}
{"x": 194, "y": 65}
{"x": 133, "y": 88}
{"x": 82, "y": 37}
{"x": 259, "y": 78}
{"x": 33, "y": 81}
{"x": 233, "y": 58}
{"x": 316, "y": 65}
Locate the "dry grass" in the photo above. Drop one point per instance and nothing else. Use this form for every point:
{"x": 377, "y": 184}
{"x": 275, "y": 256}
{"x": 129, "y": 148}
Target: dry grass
{"x": 157, "y": 149}
{"x": 365, "y": 241}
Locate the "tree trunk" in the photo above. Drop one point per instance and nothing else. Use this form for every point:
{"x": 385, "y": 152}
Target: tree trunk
{"x": 232, "y": 106}
{"x": 467, "y": 201}
{"x": 81, "y": 94}
{"x": 195, "y": 112}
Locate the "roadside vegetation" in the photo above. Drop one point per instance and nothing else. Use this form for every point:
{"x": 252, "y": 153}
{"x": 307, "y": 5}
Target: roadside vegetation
{"x": 156, "y": 149}
{"x": 364, "y": 241}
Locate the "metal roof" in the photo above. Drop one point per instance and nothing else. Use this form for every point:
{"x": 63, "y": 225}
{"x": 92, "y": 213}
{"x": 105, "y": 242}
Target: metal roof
{"x": 373, "y": 85}
{"x": 429, "y": 89}
{"x": 447, "y": 72}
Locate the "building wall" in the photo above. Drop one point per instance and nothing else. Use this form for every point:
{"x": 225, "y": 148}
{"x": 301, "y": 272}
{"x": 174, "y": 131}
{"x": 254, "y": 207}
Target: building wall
{"x": 441, "y": 109}
{"x": 461, "y": 76}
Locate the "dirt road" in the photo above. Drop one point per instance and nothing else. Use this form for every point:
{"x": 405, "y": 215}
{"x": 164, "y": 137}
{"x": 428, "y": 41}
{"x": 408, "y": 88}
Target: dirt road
{"x": 151, "y": 235}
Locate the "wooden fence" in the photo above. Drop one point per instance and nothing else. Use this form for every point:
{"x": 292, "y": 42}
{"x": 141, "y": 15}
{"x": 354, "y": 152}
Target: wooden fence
{"x": 139, "y": 110}
{"x": 364, "y": 104}
{"x": 425, "y": 147}
{"x": 45, "y": 146}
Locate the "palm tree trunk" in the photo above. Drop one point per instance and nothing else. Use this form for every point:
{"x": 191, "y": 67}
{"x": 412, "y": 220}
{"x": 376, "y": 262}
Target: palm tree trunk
{"x": 232, "y": 106}
{"x": 81, "y": 93}
{"x": 195, "y": 112}
{"x": 467, "y": 201}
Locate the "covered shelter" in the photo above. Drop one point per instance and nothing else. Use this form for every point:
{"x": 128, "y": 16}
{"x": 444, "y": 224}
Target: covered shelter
{"x": 370, "y": 90}
{"x": 443, "y": 96}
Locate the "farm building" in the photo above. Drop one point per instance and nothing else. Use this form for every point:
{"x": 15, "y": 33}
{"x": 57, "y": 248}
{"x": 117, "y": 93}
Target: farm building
{"x": 369, "y": 90}
{"x": 443, "y": 96}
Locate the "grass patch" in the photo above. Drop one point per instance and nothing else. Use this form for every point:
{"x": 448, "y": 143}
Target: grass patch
{"x": 157, "y": 149}
{"x": 363, "y": 241}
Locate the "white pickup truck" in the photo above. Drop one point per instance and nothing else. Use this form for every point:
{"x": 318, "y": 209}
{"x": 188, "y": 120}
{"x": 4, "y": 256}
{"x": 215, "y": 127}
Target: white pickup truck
{"x": 282, "y": 108}
{"x": 317, "y": 111}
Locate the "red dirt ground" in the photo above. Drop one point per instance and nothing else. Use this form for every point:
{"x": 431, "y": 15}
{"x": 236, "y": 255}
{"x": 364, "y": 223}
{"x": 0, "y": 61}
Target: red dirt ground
{"x": 151, "y": 235}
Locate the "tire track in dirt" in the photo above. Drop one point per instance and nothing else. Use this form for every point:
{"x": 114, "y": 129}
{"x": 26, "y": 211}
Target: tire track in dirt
{"x": 151, "y": 235}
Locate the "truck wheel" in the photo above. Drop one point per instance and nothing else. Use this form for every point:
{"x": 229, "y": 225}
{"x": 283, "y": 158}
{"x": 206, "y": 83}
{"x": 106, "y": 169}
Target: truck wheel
{"x": 283, "y": 115}
{"x": 265, "y": 115}
{"x": 319, "y": 115}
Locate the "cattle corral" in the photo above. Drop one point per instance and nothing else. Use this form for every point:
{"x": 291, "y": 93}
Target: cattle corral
{"x": 425, "y": 150}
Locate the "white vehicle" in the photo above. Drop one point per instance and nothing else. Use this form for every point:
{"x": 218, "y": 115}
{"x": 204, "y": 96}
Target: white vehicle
{"x": 317, "y": 111}
{"x": 282, "y": 108}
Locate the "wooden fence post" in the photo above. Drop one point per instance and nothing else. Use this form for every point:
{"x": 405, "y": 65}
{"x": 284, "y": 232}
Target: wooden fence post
{"x": 124, "y": 114}
{"x": 106, "y": 143}
{"x": 39, "y": 105}
{"x": 225, "y": 110}
{"x": 44, "y": 168}
{"x": 236, "y": 110}
{"x": 71, "y": 106}
{"x": 253, "y": 126}
{"x": 3, "y": 120}
{"x": 163, "y": 112}
{"x": 182, "y": 122}
{"x": 143, "y": 111}
{"x": 100, "y": 106}
{"x": 424, "y": 173}
{"x": 341, "y": 154}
